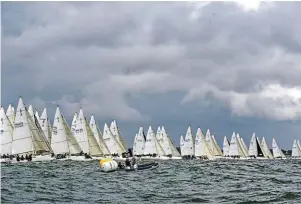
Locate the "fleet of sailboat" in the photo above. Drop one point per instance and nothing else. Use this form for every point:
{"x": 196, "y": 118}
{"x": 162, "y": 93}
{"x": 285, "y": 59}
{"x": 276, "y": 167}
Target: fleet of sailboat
{"x": 25, "y": 132}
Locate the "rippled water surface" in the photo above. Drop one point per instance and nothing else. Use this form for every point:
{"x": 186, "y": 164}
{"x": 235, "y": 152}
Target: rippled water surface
{"x": 272, "y": 181}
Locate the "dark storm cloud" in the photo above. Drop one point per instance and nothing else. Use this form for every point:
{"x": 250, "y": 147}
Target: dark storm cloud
{"x": 103, "y": 55}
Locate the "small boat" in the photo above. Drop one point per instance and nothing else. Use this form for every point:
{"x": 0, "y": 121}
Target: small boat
{"x": 142, "y": 167}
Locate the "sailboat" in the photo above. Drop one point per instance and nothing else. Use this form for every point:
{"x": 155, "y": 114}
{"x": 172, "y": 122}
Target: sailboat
{"x": 244, "y": 150}
{"x": 266, "y": 149}
{"x": 242, "y": 145}
{"x": 277, "y": 152}
{"x": 256, "y": 149}
{"x": 45, "y": 125}
{"x": 152, "y": 147}
{"x": 226, "y": 146}
{"x": 202, "y": 149}
{"x": 139, "y": 143}
{"x": 98, "y": 136}
{"x": 217, "y": 148}
{"x": 172, "y": 151}
{"x": 296, "y": 150}
{"x": 6, "y": 135}
{"x": 63, "y": 141}
{"x": 10, "y": 113}
{"x": 111, "y": 142}
{"x": 28, "y": 138}
{"x": 235, "y": 150}
{"x": 211, "y": 144}
{"x": 115, "y": 131}
{"x": 85, "y": 137}
{"x": 188, "y": 144}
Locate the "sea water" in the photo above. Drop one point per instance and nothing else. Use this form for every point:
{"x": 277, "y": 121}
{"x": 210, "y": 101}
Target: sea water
{"x": 178, "y": 181}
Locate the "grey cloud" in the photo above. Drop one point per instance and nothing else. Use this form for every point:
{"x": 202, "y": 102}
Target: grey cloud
{"x": 98, "y": 54}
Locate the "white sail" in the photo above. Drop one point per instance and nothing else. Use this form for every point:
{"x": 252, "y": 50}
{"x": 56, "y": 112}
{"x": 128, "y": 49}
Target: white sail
{"x": 241, "y": 147}
{"x": 98, "y": 136}
{"x": 11, "y": 114}
{"x": 167, "y": 139}
{"x": 73, "y": 123}
{"x": 134, "y": 143}
{"x": 298, "y": 143}
{"x": 45, "y": 125}
{"x": 59, "y": 141}
{"x": 226, "y": 146}
{"x": 30, "y": 111}
{"x": 74, "y": 147}
{"x": 253, "y": 146}
{"x": 201, "y": 146}
{"x": 115, "y": 131}
{"x": 37, "y": 115}
{"x": 27, "y": 138}
{"x": 266, "y": 149}
{"x": 216, "y": 146}
{"x": 158, "y": 134}
{"x": 139, "y": 142}
{"x": 182, "y": 145}
{"x": 235, "y": 149}
{"x": 211, "y": 144}
{"x": 277, "y": 152}
{"x": 152, "y": 145}
{"x": 244, "y": 146}
{"x": 296, "y": 151}
{"x": 188, "y": 143}
{"x": 208, "y": 134}
{"x": 6, "y": 133}
{"x": 111, "y": 142}
{"x": 85, "y": 137}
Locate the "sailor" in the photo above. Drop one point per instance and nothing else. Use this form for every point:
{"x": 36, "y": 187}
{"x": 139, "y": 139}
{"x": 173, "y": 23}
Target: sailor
{"x": 26, "y": 157}
{"x": 120, "y": 166}
{"x": 22, "y": 157}
{"x": 127, "y": 162}
{"x": 133, "y": 161}
{"x": 30, "y": 157}
{"x": 18, "y": 158}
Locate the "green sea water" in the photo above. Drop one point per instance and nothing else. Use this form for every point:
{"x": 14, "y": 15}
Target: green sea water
{"x": 175, "y": 181}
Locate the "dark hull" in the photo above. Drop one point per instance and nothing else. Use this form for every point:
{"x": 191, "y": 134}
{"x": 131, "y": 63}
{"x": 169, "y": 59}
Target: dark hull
{"x": 144, "y": 167}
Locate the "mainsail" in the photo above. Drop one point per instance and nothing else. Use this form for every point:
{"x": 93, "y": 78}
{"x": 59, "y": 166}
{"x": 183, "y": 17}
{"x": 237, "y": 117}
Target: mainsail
{"x": 266, "y": 149}
{"x": 243, "y": 150}
{"x": 226, "y": 146}
{"x": 201, "y": 146}
{"x": 85, "y": 137}
{"x": 98, "y": 136}
{"x": 59, "y": 142}
{"x": 182, "y": 145}
{"x": 277, "y": 152}
{"x": 152, "y": 145}
{"x": 296, "y": 151}
{"x": 63, "y": 141}
{"x": 188, "y": 143}
{"x": 11, "y": 114}
{"x": 111, "y": 142}
{"x": 6, "y": 133}
{"x": 73, "y": 123}
{"x": 174, "y": 151}
{"x": 139, "y": 142}
{"x": 216, "y": 146}
{"x": 115, "y": 131}
{"x": 235, "y": 148}
{"x": 27, "y": 138}
{"x": 45, "y": 125}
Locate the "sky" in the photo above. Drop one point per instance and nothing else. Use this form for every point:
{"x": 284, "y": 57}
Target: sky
{"x": 225, "y": 66}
